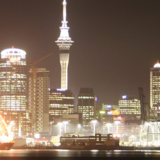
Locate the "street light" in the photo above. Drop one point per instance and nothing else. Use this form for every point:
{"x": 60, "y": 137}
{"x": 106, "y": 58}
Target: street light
{"x": 108, "y": 125}
{"x": 117, "y": 122}
{"x": 94, "y": 124}
{"x": 65, "y": 123}
{"x": 79, "y": 127}
{"x": 60, "y": 128}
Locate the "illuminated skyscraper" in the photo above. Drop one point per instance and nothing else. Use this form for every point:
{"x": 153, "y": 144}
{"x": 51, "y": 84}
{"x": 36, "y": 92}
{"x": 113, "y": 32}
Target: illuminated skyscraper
{"x": 87, "y": 105}
{"x": 60, "y": 102}
{"x": 155, "y": 89}
{"x": 130, "y": 108}
{"x": 40, "y": 111}
{"x": 13, "y": 89}
{"x": 64, "y": 42}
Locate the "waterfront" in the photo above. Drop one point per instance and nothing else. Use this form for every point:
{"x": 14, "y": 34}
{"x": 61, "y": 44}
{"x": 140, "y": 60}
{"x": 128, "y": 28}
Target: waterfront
{"x": 69, "y": 154}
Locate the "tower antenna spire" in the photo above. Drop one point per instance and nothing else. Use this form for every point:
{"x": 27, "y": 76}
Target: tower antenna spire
{"x": 64, "y": 22}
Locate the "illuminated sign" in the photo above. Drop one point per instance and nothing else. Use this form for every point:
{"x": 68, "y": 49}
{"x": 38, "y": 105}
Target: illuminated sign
{"x": 109, "y": 106}
{"x": 14, "y": 59}
{"x": 15, "y": 52}
{"x": 124, "y": 97}
{"x": 96, "y": 99}
{"x": 61, "y": 90}
{"x": 113, "y": 112}
{"x": 102, "y": 112}
{"x": 109, "y": 113}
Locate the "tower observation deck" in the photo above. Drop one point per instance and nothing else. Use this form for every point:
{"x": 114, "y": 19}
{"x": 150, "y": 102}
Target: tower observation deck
{"x": 64, "y": 43}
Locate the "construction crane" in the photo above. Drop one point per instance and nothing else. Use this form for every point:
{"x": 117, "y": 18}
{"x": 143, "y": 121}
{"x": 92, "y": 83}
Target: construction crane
{"x": 32, "y": 77}
{"x": 145, "y": 115}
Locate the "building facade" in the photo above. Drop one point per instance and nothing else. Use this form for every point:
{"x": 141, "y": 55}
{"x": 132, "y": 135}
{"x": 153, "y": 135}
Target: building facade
{"x": 87, "y": 106}
{"x": 64, "y": 43}
{"x": 39, "y": 92}
{"x": 60, "y": 102}
{"x": 130, "y": 108}
{"x": 155, "y": 89}
{"x": 13, "y": 90}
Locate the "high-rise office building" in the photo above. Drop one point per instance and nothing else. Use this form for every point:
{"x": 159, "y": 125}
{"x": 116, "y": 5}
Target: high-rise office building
{"x": 40, "y": 109}
{"x": 64, "y": 43}
{"x": 87, "y": 106}
{"x": 130, "y": 108}
{"x": 155, "y": 89}
{"x": 13, "y": 90}
{"x": 60, "y": 102}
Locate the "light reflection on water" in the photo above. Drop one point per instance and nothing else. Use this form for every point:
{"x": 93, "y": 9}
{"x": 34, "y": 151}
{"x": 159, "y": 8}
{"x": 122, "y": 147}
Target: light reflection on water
{"x": 78, "y": 153}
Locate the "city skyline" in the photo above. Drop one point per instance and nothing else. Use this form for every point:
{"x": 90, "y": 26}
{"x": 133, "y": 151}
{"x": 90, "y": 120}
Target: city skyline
{"x": 116, "y": 43}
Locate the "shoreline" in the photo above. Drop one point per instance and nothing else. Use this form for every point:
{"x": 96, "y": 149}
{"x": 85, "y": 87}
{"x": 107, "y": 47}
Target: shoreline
{"x": 91, "y": 148}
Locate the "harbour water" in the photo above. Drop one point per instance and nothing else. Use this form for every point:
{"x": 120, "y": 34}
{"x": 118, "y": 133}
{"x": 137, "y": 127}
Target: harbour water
{"x": 76, "y": 154}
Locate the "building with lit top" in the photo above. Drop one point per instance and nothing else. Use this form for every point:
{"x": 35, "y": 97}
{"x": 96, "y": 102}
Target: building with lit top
{"x": 155, "y": 89}
{"x": 130, "y": 108}
{"x": 13, "y": 90}
{"x": 87, "y": 106}
{"x": 40, "y": 109}
{"x": 64, "y": 43}
{"x": 60, "y": 102}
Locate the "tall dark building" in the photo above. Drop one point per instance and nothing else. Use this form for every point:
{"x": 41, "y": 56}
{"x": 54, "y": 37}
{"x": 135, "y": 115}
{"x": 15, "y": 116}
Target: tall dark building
{"x": 87, "y": 105}
{"x": 60, "y": 102}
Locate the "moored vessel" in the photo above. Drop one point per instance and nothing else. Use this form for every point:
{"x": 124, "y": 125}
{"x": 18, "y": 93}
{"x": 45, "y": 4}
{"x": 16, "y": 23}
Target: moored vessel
{"x": 6, "y": 145}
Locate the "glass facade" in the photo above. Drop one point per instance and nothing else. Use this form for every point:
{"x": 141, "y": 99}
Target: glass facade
{"x": 155, "y": 89}
{"x": 130, "y": 108}
{"x": 13, "y": 87}
{"x": 60, "y": 102}
{"x": 87, "y": 105}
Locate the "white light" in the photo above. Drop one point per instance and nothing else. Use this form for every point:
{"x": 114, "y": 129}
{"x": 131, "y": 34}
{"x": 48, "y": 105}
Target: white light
{"x": 79, "y": 126}
{"x": 157, "y": 65}
{"x": 37, "y": 136}
{"x": 94, "y": 121}
{"x": 124, "y": 97}
{"x": 60, "y": 124}
{"x": 65, "y": 122}
{"x": 11, "y": 52}
{"x": 117, "y": 122}
{"x": 12, "y": 123}
{"x": 62, "y": 90}
{"x": 109, "y": 106}
{"x": 110, "y": 113}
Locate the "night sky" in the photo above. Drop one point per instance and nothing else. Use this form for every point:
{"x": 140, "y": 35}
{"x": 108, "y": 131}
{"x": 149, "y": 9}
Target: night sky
{"x": 116, "y": 41}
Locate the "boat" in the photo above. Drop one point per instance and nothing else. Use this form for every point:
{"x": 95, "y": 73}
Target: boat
{"x": 6, "y": 145}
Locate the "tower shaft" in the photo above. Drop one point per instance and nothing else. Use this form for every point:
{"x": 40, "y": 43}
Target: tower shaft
{"x": 64, "y": 61}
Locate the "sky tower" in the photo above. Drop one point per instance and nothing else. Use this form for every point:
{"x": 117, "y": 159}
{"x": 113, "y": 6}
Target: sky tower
{"x": 64, "y": 42}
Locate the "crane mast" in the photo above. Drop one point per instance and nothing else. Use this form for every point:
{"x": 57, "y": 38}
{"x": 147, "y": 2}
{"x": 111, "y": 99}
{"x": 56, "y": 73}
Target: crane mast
{"x": 145, "y": 113}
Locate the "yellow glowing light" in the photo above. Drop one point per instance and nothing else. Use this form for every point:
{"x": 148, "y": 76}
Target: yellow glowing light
{"x": 5, "y": 134}
{"x": 102, "y": 112}
{"x": 14, "y": 59}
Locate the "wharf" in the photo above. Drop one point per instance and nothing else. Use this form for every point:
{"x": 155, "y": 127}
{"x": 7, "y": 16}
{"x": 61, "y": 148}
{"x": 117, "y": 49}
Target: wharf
{"x": 79, "y": 147}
